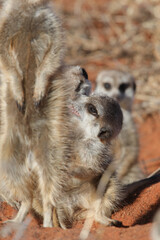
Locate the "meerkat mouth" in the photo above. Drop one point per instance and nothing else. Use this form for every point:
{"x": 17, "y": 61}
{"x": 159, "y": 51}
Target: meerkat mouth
{"x": 74, "y": 110}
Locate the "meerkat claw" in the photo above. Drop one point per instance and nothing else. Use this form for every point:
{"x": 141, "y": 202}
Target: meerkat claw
{"x": 116, "y": 223}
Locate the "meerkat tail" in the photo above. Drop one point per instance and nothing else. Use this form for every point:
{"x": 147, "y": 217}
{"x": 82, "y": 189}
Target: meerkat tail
{"x": 151, "y": 179}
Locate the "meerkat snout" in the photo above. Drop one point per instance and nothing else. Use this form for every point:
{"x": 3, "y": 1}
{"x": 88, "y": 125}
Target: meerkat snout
{"x": 101, "y": 116}
{"x": 105, "y": 133}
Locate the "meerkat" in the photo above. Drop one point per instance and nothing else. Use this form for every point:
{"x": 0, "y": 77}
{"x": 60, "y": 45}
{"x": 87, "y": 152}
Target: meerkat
{"x": 121, "y": 86}
{"x": 54, "y": 139}
{"x": 31, "y": 55}
{"x": 117, "y": 84}
{"x": 18, "y": 181}
{"x": 31, "y": 44}
{"x": 96, "y": 120}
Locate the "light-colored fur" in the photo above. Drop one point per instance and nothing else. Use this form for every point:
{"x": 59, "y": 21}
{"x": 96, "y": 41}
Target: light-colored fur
{"x": 122, "y": 88}
{"x": 118, "y": 85}
{"x": 89, "y": 157}
{"x": 29, "y": 30}
{"x": 31, "y": 51}
{"x": 29, "y": 134}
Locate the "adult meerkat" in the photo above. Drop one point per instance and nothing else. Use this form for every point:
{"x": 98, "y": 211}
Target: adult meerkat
{"x": 121, "y": 86}
{"x": 18, "y": 181}
{"x": 31, "y": 44}
{"x": 118, "y": 85}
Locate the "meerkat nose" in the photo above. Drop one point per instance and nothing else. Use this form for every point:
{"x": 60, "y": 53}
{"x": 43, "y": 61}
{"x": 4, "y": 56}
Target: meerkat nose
{"x": 102, "y": 131}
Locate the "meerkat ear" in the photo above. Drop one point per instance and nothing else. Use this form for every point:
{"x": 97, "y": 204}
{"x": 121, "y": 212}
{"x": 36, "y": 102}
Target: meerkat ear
{"x": 84, "y": 73}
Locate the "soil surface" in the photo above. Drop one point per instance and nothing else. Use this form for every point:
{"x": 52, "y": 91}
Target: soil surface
{"x": 112, "y": 34}
{"x": 136, "y": 216}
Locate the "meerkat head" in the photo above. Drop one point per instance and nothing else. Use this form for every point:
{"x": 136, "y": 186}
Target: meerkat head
{"x": 99, "y": 116}
{"x": 118, "y": 85}
{"x": 79, "y": 79}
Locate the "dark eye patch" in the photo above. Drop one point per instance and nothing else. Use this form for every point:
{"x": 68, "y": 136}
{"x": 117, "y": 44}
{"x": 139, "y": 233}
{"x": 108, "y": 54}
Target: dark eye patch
{"x": 79, "y": 86}
{"x": 84, "y": 73}
{"x": 92, "y": 109}
{"x": 123, "y": 87}
{"x": 107, "y": 86}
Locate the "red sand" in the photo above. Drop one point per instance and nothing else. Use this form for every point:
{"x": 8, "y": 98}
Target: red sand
{"x": 136, "y": 217}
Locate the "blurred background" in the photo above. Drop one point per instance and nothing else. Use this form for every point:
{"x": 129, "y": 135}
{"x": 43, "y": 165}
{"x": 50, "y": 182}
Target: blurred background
{"x": 111, "y": 34}
{"x": 123, "y": 35}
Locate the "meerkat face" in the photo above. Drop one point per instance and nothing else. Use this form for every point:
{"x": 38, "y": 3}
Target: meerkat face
{"x": 99, "y": 116}
{"x": 118, "y": 85}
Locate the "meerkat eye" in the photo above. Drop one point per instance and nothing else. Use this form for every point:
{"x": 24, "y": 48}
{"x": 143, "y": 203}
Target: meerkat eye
{"x": 92, "y": 109}
{"x": 79, "y": 86}
{"x": 123, "y": 87}
{"x": 107, "y": 86}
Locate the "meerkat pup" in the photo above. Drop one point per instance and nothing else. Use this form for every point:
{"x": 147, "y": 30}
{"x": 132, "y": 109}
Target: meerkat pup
{"x": 96, "y": 120}
{"x": 29, "y": 28}
{"x": 121, "y": 86}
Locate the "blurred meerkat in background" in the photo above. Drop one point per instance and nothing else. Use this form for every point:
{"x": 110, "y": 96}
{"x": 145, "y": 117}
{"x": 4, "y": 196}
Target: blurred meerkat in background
{"x": 117, "y": 84}
{"x": 121, "y": 86}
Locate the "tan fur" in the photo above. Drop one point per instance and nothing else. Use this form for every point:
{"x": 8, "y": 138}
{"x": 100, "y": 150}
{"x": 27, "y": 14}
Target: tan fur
{"x": 48, "y": 136}
{"x": 57, "y": 152}
{"x": 31, "y": 50}
{"x": 89, "y": 157}
{"x": 28, "y": 142}
{"x": 126, "y": 147}
{"x": 31, "y": 47}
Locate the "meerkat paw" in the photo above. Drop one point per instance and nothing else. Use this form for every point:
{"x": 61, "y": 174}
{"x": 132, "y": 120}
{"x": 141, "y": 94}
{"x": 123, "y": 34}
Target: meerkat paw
{"x": 65, "y": 224}
{"x": 108, "y": 221}
{"x": 10, "y": 221}
{"x": 21, "y": 105}
{"x": 65, "y": 220}
{"x": 47, "y": 224}
{"x": 47, "y": 220}
{"x": 14, "y": 204}
{"x": 38, "y": 97}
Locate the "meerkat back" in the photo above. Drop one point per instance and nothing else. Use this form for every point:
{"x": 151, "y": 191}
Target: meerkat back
{"x": 31, "y": 47}
{"x": 31, "y": 50}
{"x": 121, "y": 86}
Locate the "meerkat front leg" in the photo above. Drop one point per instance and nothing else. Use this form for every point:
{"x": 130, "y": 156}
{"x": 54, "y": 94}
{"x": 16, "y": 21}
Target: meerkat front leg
{"x": 104, "y": 206}
{"x": 46, "y": 187}
{"x": 47, "y": 212}
{"x": 22, "y": 213}
{"x": 15, "y": 179}
{"x": 13, "y": 74}
{"x": 48, "y": 59}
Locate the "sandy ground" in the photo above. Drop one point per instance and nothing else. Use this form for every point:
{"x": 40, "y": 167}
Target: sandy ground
{"x": 120, "y": 35}
{"x": 136, "y": 216}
